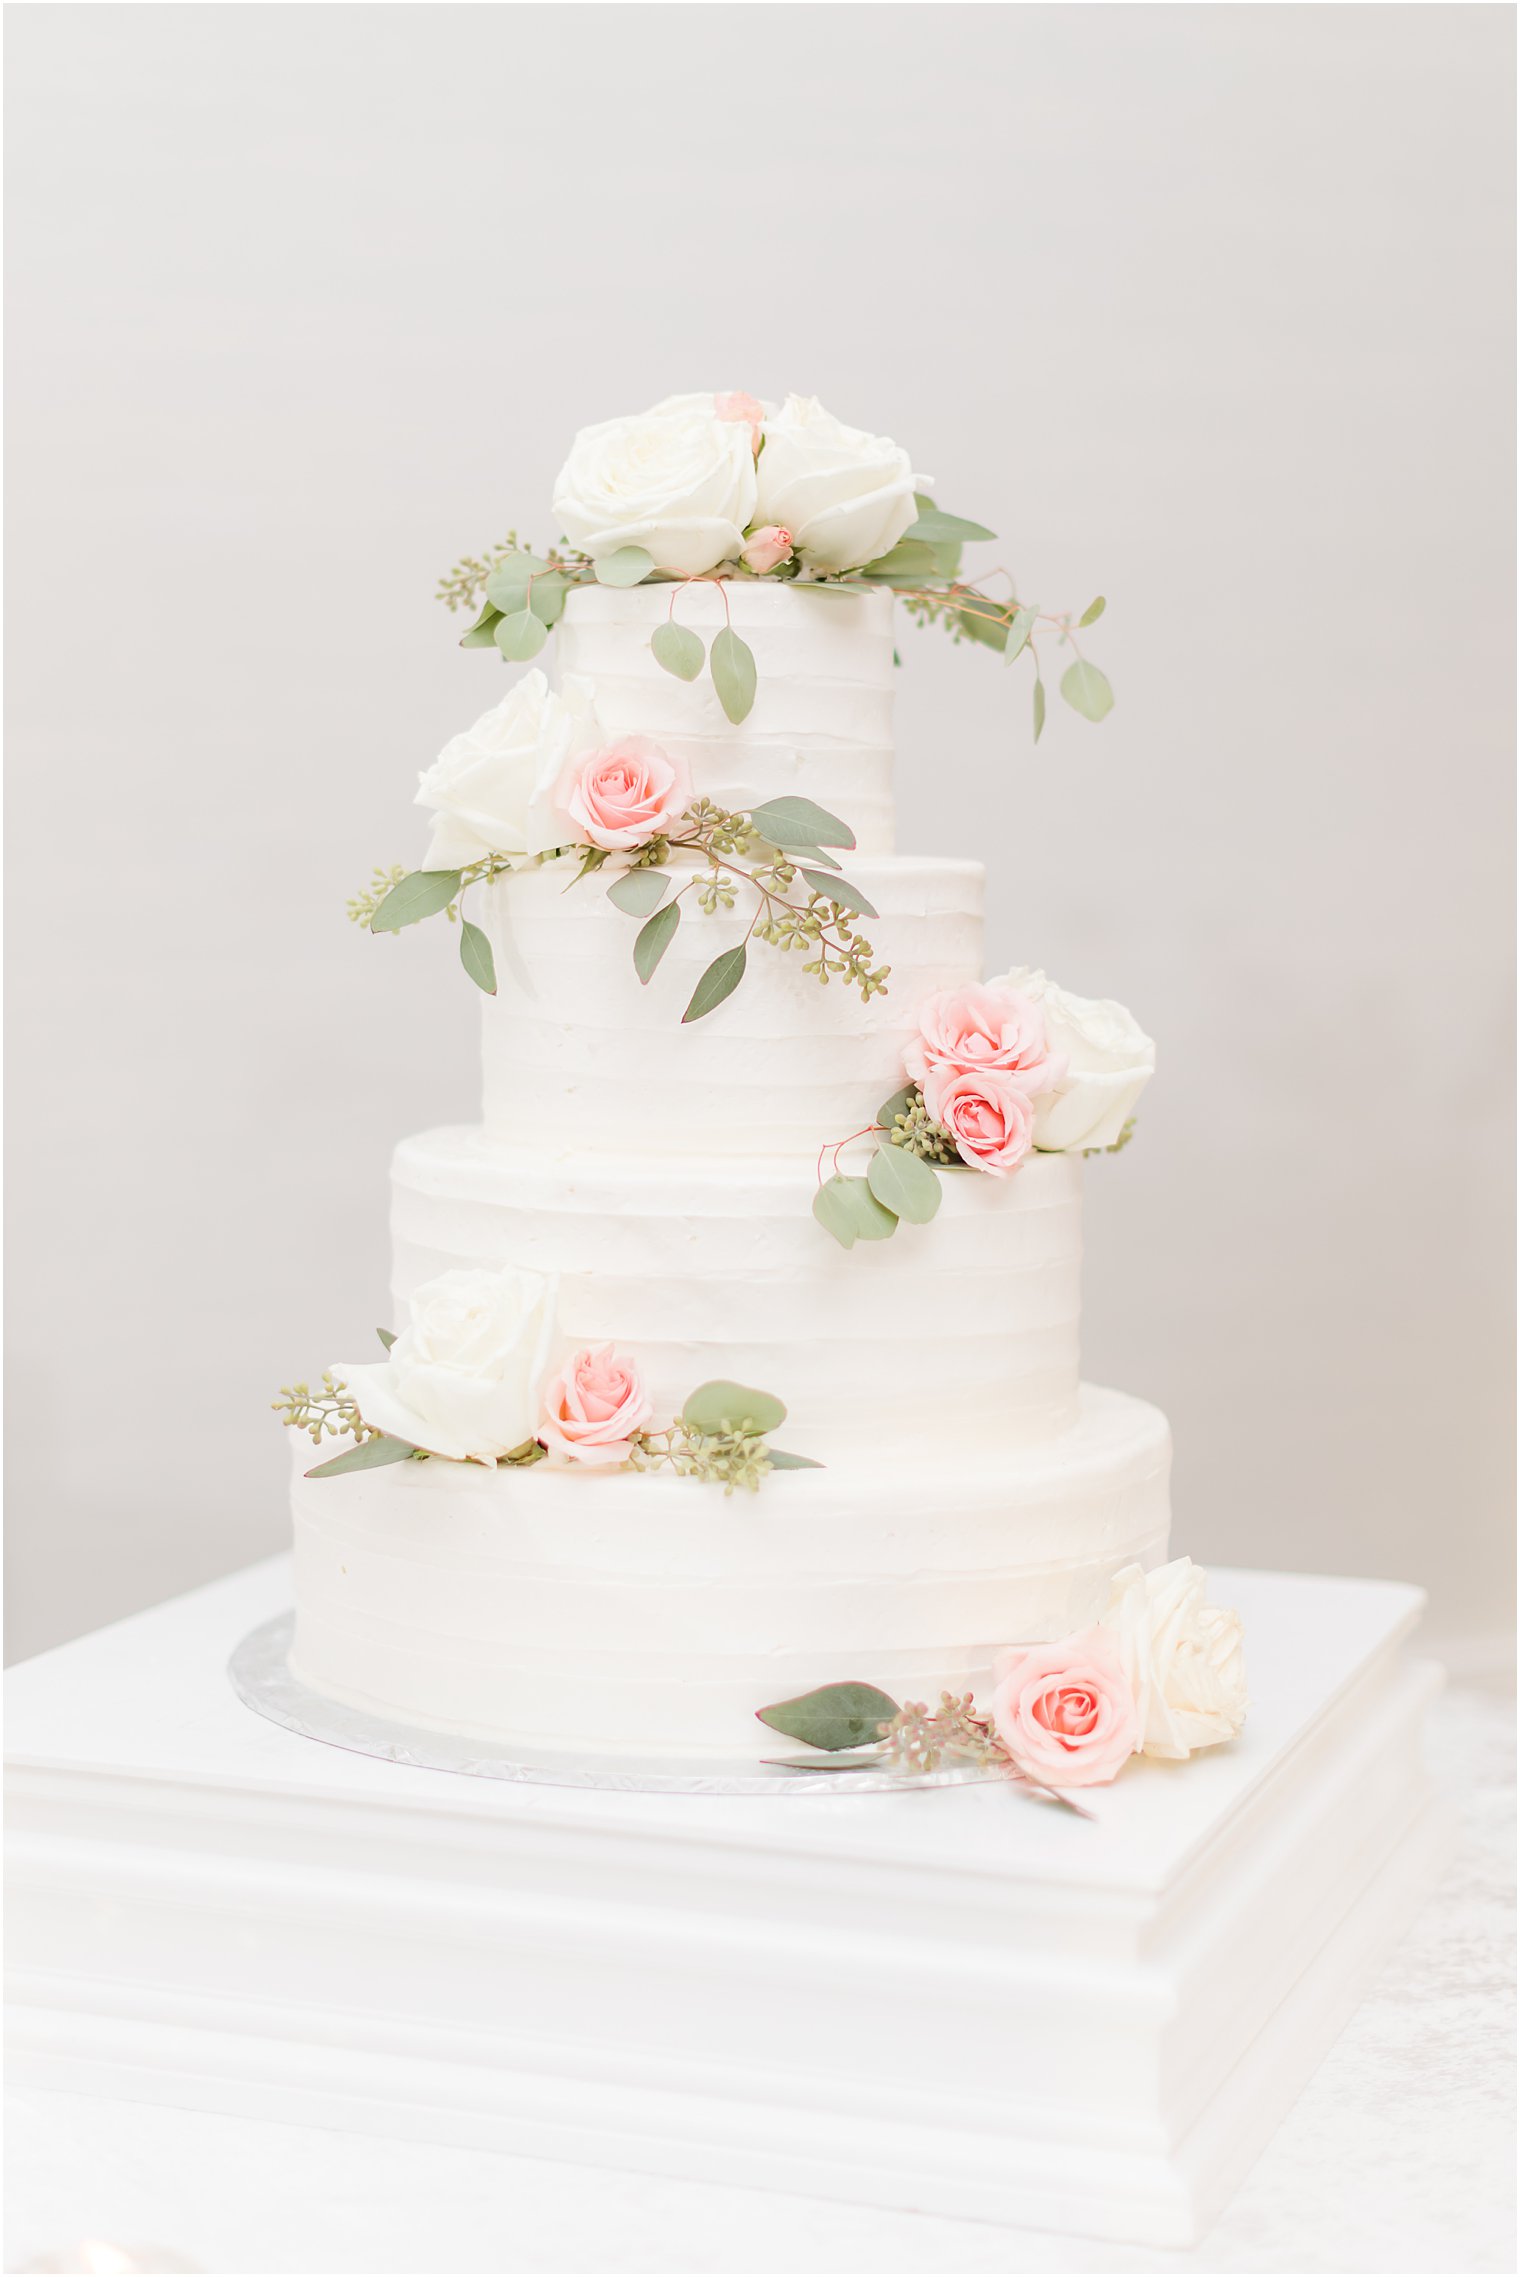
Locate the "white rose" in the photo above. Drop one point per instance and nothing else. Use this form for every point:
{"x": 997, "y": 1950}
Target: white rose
{"x": 465, "y": 1375}
{"x": 1109, "y": 1061}
{"x": 492, "y": 786}
{"x": 1184, "y": 1659}
{"x": 677, "y": 480}
{"x": 845, "y": 496}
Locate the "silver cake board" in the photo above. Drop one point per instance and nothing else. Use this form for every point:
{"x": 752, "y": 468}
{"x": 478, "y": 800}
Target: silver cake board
{"x": 261, "y": 1676}
{"x": 961, "y": 2001}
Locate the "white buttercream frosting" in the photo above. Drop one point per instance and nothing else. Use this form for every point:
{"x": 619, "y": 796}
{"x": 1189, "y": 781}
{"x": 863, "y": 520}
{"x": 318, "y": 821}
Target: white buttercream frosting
{"x": 581, "y": 1054}
{"x": 959, "y": 1334}
{"x": 662, "y": 1176}
{"x": 615, "y": 1610}
{"x": 821, "y": 724}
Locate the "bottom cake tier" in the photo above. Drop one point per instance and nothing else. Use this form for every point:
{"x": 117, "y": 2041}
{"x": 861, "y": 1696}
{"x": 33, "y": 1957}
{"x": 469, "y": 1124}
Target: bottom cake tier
{"x": 636, "y": 1612}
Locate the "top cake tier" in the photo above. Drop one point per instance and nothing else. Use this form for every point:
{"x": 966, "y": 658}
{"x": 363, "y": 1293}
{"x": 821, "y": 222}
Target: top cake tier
{"x": 821, "y": 725}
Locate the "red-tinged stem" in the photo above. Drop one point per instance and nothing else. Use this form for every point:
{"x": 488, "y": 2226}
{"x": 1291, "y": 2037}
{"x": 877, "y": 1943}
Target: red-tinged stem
{"x": 836, "y": 1148}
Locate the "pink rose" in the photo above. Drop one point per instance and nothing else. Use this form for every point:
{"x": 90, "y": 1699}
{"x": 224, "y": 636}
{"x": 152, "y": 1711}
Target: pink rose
{"x": 767, "y": 548}
{"x": 1065, "y": 1711}
{"x": 593, "y": 1408}
{"x": 625, "y": 795}
{"x": 984, "y": 1027}
{"x": 742, "y": 410}
{"x": 990, "y": 1119}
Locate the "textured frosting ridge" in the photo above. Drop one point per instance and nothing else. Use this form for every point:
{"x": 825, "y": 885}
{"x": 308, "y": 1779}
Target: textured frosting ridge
{"x": 567, "y": 1610}
{"x": 580, "y": 1051}
{"x": 708, "y": 1268}
{"x": 822, "y": 718}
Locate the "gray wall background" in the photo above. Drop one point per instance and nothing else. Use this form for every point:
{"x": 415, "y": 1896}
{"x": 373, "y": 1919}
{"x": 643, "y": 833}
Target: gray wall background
{"x": 1206, "y": 308}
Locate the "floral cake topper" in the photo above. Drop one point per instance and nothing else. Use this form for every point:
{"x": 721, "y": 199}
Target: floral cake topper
{"x": 718, "y": 487}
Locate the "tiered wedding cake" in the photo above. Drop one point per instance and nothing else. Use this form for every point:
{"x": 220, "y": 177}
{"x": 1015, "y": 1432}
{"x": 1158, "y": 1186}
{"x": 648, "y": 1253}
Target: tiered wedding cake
{"x": 655, "y": 1203}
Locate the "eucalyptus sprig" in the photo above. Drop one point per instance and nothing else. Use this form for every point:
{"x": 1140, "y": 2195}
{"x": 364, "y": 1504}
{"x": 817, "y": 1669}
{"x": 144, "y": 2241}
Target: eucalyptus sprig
{"x": 769, "y": 848}
{"x": 330, "y": 1412}
{"x": 779, "y": 850}
{"x": 398, "y": 897}
{"x": 899, "y": 1184}
{"x": 522, "y": 595}
{"x": 899, "y": 1181}
{"x": 363, "y": 907}
{"x": 722, "y": 1435}
{"x": 867, "y": 1724}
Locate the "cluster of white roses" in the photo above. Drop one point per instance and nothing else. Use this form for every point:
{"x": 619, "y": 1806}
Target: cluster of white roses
{"x": 1160, "y": 1673}
{"x": 704, "y": 480}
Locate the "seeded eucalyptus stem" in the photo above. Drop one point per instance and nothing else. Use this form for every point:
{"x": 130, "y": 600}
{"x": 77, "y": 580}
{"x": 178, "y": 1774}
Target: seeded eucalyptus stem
{"x": 719, "y": 837}
{"x": 328, "y": 1413}
{"x": 731, "y": 1458}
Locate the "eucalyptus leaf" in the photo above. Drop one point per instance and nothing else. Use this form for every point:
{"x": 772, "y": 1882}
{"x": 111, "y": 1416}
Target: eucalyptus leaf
{"x": 630, "y": 565}
{"x": 780, "y": 1460}
{"x": 520, "y": 636}
{"x": 369, "y": 1457}
{"x": 1086, "y": 690}
{"x": 507, "y": 588}
{"x": 679, "y": 650}
{"x": 720, "y": 980}
{"x": 899, "y": 1103}
{"x": 387, "y": 1337}
{"x": 934, "y": 527}
{"x": 834, "y": 1211}
{"x": 546, "y": 597}
{"x": 792, "y": 821}
{"x": 482, "y": 634}
{"x": 1092, "y": 612}
{"x": 475, "y": 955}
{"x": 1023, "y": 625}
{"x": 849, "y": 1210}
{"x": 906, "y": 560}
{"x": 521, "y": 564}
{"x": 723, "y": 1406}
{"x": 903, "y": 1184}
{"x": 640, "y": 891}
{"x": 654, "y": 939}
{"x": 841, "y": 891}
{"x": 1039, "y": 708}
{"x": 797, "y": 855}
{"x": 835, "y": 1716}
{"x": 732, "y": 664}
{"x": 976, "y": 622}
{"x": 421, "y": 893}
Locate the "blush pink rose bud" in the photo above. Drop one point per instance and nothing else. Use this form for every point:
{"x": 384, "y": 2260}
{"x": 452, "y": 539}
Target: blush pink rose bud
{"x": 1066, "y": 1712}
{"x": 742, "y": 410}
{"x": 978, "y": 1027}
{"x": 594, "y": 1407}
{"x": 767, "y": 549}
{"x": 625, "y": 795}
{"x": 986, "y": 1113}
